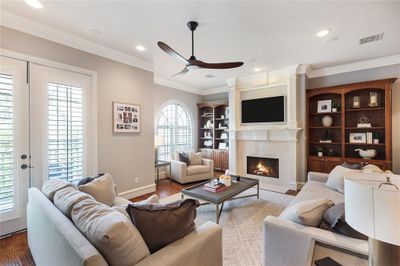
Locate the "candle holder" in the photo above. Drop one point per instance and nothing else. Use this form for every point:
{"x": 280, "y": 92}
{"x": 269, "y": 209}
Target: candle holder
{"x": 373, "y": 99}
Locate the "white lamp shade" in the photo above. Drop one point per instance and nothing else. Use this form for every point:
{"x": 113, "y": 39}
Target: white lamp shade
{"x": 158, "y": 141}
{"x": 373, "y": 211}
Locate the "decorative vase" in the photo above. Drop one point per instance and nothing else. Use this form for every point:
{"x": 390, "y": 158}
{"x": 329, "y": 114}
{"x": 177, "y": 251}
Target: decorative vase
{"x": 376, "y": 141}
{"x": 327, "y": 121}
{"x": 320, "y": 154}
{"x": 334, "y": 109}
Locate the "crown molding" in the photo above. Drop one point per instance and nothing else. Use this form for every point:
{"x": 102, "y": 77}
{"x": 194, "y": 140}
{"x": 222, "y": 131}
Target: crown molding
{"x": 215, "y": 90}
{"x": 361, "y": 65}
{"x": 19, "y": 23}
{"x": 176, "y": 85}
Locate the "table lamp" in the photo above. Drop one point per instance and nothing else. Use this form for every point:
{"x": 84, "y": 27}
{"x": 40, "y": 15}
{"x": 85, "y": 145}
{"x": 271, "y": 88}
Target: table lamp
{"x": 372, "y": 207}
{"x": 158, "y": 141}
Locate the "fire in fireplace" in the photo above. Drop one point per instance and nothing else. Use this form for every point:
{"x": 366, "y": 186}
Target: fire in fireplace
{"x": 263, "y": 166}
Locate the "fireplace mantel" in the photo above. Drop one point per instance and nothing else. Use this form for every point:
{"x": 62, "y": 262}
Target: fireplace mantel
{"x": 265, "y": 134}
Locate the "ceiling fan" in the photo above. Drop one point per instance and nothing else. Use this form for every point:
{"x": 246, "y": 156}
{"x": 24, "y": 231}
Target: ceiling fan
{"x": 192, "y": 63}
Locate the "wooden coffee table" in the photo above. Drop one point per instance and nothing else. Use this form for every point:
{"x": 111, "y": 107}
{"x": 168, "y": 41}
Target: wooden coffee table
{"x": 219, "y": 198}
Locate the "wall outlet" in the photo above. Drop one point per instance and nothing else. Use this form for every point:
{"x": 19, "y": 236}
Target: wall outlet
{"x": 136, "y": 180}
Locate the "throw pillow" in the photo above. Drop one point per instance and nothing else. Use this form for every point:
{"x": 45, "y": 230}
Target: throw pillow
{"x": 195, "y": 158}
{"x": 50, "y": 187}
{"x": 356, "y": 166}
{"x": 336, "y": 177}
{"x": 308, "y": 212}
{"x": 183, "y": 157}
{"x": 172, "y": 221}
{"x": 110, "y": 232}
{"x": 153, "y": 199}
{"x": 335, "y": 218}
{"x": 102, "y": 189}
{"x": 88, "y": 179}
{"x": 66, "y": 198}
{"x": 371, "y": 168}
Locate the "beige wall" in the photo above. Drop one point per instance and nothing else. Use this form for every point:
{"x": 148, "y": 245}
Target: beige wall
{"x": 125, "y": 156}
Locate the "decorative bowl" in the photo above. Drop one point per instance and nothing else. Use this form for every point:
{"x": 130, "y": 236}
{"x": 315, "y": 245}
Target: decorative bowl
{"x": 367, "y": 154}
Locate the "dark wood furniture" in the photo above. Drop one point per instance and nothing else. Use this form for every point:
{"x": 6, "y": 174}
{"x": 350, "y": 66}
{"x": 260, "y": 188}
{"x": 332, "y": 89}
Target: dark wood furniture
{"x": 345, "y": 122}
{"x": 216, "y": 112}
{"x": 219, "y": 198}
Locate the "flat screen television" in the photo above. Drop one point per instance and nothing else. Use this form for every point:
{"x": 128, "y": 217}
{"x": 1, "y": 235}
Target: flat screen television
{"x": 264, "y": 110}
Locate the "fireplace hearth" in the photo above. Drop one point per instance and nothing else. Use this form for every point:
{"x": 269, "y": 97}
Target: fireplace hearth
{"x": 260, "y": 166}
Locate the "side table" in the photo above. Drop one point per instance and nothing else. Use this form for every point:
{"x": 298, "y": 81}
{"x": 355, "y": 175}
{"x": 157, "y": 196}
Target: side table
{"x": 159, "y": 164}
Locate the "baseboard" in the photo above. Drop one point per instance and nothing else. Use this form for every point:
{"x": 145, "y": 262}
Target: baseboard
{"x": 136, "y": 192}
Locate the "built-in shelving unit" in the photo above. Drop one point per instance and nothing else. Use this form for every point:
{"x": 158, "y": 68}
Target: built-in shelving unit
{"x": 345, "y": 121}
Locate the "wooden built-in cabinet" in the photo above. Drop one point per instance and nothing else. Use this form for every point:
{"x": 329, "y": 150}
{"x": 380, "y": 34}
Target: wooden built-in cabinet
{"x": 210, "y": 138}
{"x": 345, "y": 121}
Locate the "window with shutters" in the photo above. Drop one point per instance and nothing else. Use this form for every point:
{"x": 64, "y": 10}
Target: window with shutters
{"x": 175, "y": 125}
{"x": 65, "y": 132}
{"x": 6, "y": 144}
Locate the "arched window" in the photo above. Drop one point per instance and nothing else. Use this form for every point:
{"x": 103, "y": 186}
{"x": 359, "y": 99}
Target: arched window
{"x": 175, "y": 124}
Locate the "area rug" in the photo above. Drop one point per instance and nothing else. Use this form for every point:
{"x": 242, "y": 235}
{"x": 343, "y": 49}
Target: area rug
{"x": 242, "y": 221}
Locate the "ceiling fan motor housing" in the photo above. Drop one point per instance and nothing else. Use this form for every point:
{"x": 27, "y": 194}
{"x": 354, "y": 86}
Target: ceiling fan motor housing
{"x": 192, "y": 25}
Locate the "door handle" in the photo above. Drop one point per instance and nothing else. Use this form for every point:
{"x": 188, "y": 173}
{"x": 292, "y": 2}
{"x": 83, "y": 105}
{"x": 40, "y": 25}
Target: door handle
{"x": 24, "y": 166}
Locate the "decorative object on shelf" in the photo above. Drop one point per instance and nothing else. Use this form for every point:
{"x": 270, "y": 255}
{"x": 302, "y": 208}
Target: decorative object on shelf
{"x": 357, "y": 138}
{"x": 363, "y": 122}
{"x": 327, "y": 121}
{"x": 356, "y": 102}
{"x": 320, "y": 151}
{"x": 209, "y": 124}
{"x": 222, "y": 116}
{"x": 126, "y": 118}
{"x": 325, "y": 141}
{"x": 327, "y": 138}
{"x": 373, "y": 99}
{"x": 375, "y": 138}
{"x": 376, "y": 215}
{"x": 335, "y": 107}
{"x": 208, "y": 143}
{"x": 222, "y": 146}
{"x": 369, "y": 137}
{"x": 367, "y": 154}
{"x": 227, "y": 112}
{"x": 330, "y": 152}
{"x": 224, "y": 136}
{"x": 324, "y": 106}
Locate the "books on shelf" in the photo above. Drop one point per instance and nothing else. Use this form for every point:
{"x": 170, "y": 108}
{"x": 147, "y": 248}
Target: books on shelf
{"x": 369, "y": 137}
{"x": 325, "y": 141}
{"x": 212, "y": 187}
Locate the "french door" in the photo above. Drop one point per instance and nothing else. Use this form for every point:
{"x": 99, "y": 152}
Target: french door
{"x": 14, "y": 144}
{"x": 45, "y": 123}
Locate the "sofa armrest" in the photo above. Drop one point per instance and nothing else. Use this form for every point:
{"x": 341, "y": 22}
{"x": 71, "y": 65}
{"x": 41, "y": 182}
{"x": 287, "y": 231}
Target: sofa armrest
{"x": 208, "y": 162}
{"x": 201, "y": 247}
{"x": 280, "y": 235}
{"x": 317, "y": 176}
{"x": 178, "y": 169}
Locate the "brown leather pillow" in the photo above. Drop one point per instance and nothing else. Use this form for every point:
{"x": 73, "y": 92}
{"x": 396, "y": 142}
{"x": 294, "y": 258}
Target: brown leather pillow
{"x": 162, "y": 224}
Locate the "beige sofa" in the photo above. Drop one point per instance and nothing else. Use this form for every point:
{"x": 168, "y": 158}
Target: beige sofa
{"x": 286, "y": 243}
{"x": 54, "y": 240}
{"x": 183, "y": 173}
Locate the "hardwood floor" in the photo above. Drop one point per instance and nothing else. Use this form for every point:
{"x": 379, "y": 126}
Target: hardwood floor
{"x": 14, "y": 249}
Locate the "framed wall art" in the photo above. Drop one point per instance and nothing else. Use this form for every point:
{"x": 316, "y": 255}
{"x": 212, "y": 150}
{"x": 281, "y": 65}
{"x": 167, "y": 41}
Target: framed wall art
{"x": 357, "y": 138}
{"x": 324, "y": 106}
{"x": 126, "y": 118}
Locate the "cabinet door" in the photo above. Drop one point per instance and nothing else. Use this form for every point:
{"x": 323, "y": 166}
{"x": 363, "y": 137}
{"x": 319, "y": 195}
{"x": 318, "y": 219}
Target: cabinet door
{"x": 207, "y": 153}
{"x": 316, "y": 164}
{"x": 331, "y": 163}
{"x": 225, "y": 160}
{"x": 217, "y": 160}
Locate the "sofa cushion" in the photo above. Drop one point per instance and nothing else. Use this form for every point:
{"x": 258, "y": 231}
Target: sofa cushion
{"x": 197, "y": 169}
{"x": 355, "y": 166}
{"x": 336, "y": 177}
{"x": 110, "y": 232}
{"x": 314, "y": 190}
{"x": 371, "y": 168}
{"x": 50, "y": 187}
{"x": 162, "y": 224}
{"x": 66, "y": 198}
{"x": 102, "y": 189}
{"x": 307, "y": 212}
{"x": 195, "y": 158}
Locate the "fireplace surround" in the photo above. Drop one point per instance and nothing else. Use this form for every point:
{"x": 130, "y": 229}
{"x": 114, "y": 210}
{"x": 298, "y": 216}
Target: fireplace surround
{"x": 261, "y": 166}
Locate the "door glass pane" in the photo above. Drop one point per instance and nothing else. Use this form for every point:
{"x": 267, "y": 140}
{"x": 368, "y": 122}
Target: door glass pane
{"x": 6, "y": 144}
{"x": 65, "y": 132}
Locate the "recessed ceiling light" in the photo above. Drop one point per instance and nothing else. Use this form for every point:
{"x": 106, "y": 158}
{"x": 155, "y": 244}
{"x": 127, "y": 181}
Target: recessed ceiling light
{"x": 34, "y": 3}
{"x": 257, "y": 69}
{"x": 323, "y": 33}
{"x": 140, "y": 48}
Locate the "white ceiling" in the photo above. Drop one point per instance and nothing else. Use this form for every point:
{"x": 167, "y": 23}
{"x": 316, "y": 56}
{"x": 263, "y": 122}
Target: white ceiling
{"x": 266, "y": 35}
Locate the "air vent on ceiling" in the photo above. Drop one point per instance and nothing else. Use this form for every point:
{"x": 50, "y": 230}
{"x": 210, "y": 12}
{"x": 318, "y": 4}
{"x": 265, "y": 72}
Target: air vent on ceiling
{"x": 372, "y": 38}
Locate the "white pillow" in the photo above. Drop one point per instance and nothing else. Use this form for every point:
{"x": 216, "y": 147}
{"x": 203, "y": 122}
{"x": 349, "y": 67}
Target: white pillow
{"x": 336, "y": 177}
{"x": 50, "y": 187}
{"x": 195, "y": 158}
{"x": 371, "y": 168}
{"x": 113, "y": 234}
{"x": 102, "y": 189}
{"x": 66, "y": 198}
{"x": 308, "y": 212}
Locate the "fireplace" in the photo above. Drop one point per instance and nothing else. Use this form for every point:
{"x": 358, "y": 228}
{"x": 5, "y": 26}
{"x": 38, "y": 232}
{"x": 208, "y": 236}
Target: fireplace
{"x": 263, "y": 166}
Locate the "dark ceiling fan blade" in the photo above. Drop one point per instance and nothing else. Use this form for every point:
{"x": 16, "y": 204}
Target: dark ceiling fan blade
{"x": 184, "y": 71}
{"x": 165, "y": 47}
{"x": 225, "y": 65}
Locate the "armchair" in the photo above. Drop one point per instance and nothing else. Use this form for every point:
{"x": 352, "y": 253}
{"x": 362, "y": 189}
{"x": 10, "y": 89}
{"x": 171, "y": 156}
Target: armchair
{"x": 183, "y": 173}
